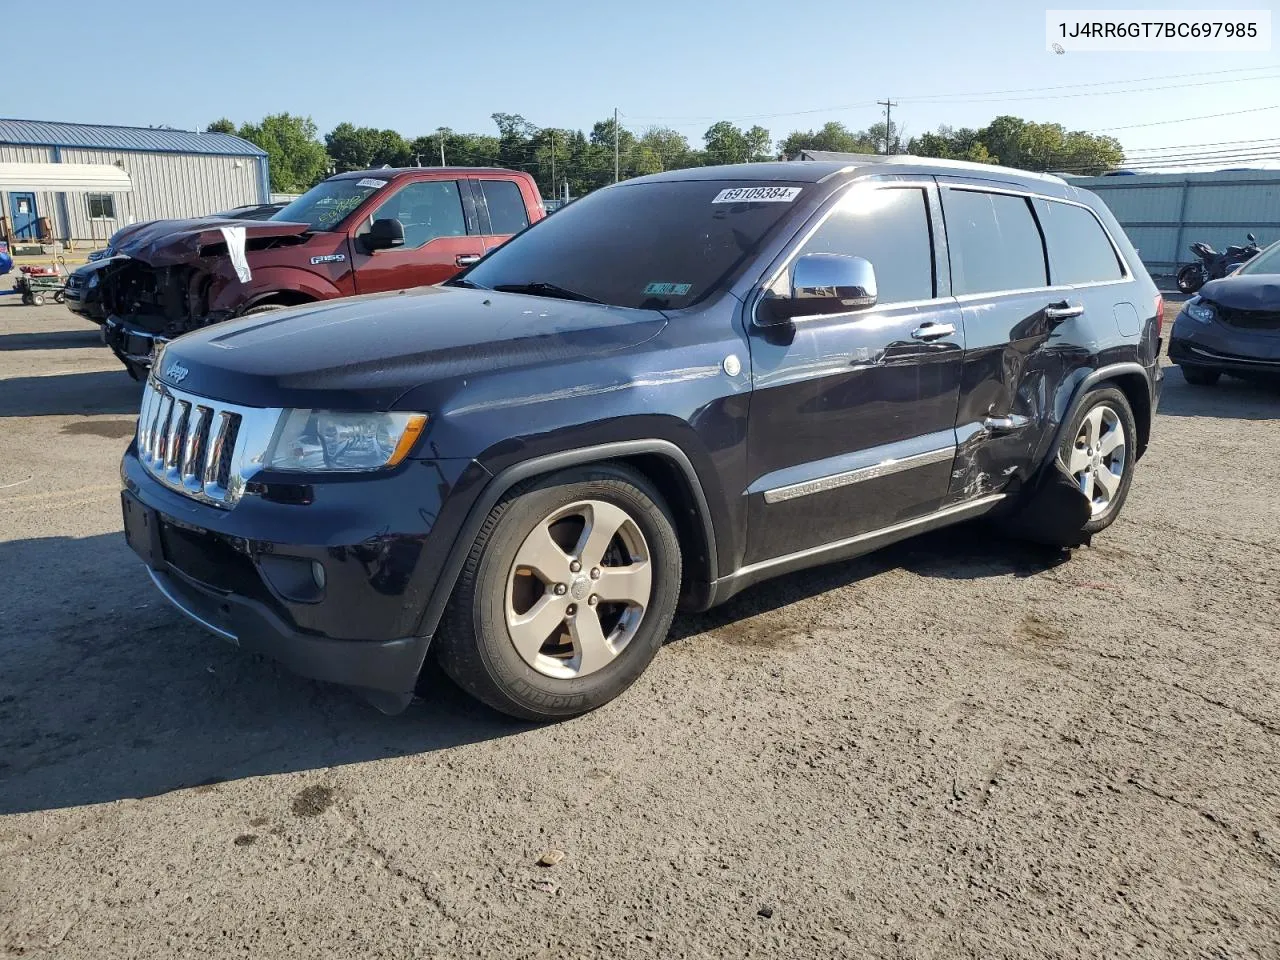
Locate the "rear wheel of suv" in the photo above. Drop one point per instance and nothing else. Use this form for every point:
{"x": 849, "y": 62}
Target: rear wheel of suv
{"x": 1099, "y": 450}
{"x": 566, "y": 595}
{"x": 1200, "y": 376}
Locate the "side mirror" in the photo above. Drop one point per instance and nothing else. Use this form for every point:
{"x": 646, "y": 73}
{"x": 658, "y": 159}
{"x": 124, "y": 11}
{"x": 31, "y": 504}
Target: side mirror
{"x": 823, "y": 284}
{"x": 1251, "y": 238}
{"x": 383, "y": 235}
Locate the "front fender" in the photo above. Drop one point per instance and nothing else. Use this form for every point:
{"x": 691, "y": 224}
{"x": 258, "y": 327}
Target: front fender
{"x": 235, "y": 297}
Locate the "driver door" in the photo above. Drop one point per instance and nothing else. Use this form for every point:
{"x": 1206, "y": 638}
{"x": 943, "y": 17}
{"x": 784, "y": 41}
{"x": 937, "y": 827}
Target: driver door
{"x": 439, "y": 238}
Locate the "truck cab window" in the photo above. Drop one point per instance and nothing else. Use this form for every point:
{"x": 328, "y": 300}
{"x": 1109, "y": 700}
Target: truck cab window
{"x": 427, "y": 210}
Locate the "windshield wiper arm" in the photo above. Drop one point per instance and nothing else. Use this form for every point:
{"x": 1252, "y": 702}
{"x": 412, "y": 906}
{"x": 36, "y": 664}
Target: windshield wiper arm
{"x": 545, "y": 290}
{"x": 464, "y": 282}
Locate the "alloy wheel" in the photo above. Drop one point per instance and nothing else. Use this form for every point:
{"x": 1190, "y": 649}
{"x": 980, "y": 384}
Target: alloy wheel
{"x": 1098, "y": 458}
{"x": 578, "y": 589}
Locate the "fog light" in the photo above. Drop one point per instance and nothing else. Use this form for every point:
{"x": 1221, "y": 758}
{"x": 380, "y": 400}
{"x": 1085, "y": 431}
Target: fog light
{"x": 317, "y": 573}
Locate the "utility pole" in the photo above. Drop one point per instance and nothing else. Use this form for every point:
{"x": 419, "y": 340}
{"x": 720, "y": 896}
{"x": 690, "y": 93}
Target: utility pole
{"x": 553, "y": 163}
{"x": 615, "y": 144}
{"x": 441, "y": 131}
{"x": 888, "y": 123}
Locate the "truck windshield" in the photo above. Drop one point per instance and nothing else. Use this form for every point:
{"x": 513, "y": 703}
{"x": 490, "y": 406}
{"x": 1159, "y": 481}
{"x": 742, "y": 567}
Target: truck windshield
{"x": 328, "y": 203}
{"x": 655, "y": 246}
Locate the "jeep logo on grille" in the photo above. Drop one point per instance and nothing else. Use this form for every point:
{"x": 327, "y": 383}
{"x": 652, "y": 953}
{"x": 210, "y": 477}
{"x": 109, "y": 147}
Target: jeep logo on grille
{"x": 176, "y": 372}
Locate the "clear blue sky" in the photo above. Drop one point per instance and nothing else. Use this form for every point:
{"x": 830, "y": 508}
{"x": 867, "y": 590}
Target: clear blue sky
{"x": 416, "y": 66}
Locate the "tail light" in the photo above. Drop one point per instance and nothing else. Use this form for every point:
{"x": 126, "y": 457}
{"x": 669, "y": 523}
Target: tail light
{"x": 1159, "y": 315}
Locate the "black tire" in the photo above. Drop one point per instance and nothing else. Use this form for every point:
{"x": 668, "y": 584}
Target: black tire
{"x": 1113, "y": 398}
{"x": 1200, "y": 376}
{"x": 37, "y": 299}
{"x": 59, "y": 298}
{"x": 1192, "y": 277}
{"x": 473, "y": 645}
{"x": 263, "y": 308}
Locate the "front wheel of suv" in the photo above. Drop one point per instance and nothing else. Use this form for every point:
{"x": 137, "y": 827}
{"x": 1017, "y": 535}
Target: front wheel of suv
{"x": 566, "y": 595}
{"x": 1099, "y": 451}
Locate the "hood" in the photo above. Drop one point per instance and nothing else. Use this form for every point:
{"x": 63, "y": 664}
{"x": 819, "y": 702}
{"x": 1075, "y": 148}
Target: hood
{"x": 167, "y": 242}
{"x": 1256, "y": 291}
{"x": 363, "y": 353}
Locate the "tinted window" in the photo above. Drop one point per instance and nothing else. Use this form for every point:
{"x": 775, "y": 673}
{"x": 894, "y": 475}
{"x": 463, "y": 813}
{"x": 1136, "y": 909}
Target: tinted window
{"x": 649, "y": 245}
{"x": 890, "y": 228}
{"x": 506, "y": 206}
{"x": 1079, "y": 251}
{"x": 994, "y": 242}
{"x": 427, "y": 209}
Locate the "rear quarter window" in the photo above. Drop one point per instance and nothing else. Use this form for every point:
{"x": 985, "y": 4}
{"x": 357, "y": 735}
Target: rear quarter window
{"x": 1079, "y": 249}
{"x": 507, "y": 213}
{"x": 994, "y": 242}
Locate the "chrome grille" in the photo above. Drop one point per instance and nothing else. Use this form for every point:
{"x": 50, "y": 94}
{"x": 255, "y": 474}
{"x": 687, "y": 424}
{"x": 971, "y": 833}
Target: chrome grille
{"x": 200, "y": 447}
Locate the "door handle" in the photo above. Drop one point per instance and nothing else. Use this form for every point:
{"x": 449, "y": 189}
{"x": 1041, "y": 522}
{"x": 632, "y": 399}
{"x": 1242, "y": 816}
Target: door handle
{"x": 933, "y": 331}
{"x": 1063, "y": 311}
{"x": 466, "y": 259}
{"x": 1012, "y": 421}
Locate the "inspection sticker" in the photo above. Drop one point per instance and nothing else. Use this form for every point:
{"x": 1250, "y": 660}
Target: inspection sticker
{"x": 668, "y": 289}
{"x": 371, "y": 182}
{"x": 757, "y": 195}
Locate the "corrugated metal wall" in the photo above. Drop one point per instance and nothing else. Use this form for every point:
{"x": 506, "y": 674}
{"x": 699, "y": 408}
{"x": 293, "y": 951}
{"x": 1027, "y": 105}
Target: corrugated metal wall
{"x": 165, "y": 185}
{"x": 1164, "y": 213}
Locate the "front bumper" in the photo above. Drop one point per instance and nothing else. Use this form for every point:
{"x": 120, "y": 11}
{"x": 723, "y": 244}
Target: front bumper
{"x": 135, "y": 346}
{"x": 245, "y": 573}
{"x": 1191, "y": 354}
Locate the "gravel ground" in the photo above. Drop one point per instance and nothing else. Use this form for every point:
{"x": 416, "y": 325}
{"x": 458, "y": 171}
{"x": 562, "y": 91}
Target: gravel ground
{"x": 957, "y": 747}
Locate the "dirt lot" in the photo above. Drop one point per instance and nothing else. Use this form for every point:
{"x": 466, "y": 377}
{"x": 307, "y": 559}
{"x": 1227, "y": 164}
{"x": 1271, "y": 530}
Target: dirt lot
{"x": 957, "y": 747}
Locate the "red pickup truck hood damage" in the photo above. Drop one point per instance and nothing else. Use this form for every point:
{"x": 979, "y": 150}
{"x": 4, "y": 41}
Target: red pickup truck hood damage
{"x": 163, "y": 243}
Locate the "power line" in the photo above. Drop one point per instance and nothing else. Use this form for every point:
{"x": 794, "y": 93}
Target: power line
{"x": 1207, "y": 116}
{"x": 957, "y": 97}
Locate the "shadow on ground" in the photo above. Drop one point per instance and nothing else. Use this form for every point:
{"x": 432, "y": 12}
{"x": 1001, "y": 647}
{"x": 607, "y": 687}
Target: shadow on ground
{"x": 51, "y": 340}
{"x": 107, "y": 693}
{"x": 70, "y": 394}
{"x": 1228, "y": 399}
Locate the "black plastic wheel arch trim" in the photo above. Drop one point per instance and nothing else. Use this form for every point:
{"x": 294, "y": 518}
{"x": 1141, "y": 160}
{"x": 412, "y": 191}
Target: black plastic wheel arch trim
{"x": 550, "y": 463}
{"x": 1101, "y": 375}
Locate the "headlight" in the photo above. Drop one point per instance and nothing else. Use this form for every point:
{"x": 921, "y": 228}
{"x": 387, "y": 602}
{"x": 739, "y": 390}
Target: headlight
{"x": 1200, "y": 311}
{"x": 93, "y": 280}
{"x": 324, "y": 441}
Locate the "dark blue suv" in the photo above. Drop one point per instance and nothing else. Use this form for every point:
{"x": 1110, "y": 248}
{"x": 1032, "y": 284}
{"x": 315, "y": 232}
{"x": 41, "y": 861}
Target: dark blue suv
{"x": 672, "y": 389}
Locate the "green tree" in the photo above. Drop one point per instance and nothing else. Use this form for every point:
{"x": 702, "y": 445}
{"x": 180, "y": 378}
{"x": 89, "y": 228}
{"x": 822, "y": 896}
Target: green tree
{"x": 222, "y": 125}
{"x": 297, "y": 160}
{"x": 351, "y": 147}
{"x": 832, "y": 136}
{"x": 758, "y": 143}
{"x": 725, "y": 143}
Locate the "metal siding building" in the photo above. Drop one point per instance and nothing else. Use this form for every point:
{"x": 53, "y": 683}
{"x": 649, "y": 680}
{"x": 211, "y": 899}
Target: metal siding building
{"x": 175, "y": 173}
{"x": 1164, "y": 212}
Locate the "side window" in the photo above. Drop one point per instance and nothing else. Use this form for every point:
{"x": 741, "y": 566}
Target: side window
{"x": 1079, "y": 250}
{"x": 506, "y": 206}
{"x": 994, "y": 242}
{"x": 427, "y": 210}
{"x": 890, "y": 228}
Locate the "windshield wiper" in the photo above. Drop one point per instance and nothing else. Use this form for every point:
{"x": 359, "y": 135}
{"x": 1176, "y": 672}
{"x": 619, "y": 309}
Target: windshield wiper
{"x": 545, "y": 290}
{"x": 464, "y": 282}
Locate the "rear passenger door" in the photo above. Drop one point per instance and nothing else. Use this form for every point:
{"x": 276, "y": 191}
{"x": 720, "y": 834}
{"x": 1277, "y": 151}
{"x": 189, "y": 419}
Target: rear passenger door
{"x": 1021, "y": 324}
{"x": 502, "y": 210}
{"x": 439, "y": 238}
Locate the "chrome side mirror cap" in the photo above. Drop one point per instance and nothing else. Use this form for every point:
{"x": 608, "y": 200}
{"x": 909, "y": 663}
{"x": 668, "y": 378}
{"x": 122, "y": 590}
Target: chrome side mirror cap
{"x": 823, "y": 284}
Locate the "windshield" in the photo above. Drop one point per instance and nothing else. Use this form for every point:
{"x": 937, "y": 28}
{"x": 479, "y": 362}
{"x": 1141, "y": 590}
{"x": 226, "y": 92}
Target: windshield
{"x": 654, "y": 246}
{"x": 327, "y": 204}
{"x": 1268, "y": 261}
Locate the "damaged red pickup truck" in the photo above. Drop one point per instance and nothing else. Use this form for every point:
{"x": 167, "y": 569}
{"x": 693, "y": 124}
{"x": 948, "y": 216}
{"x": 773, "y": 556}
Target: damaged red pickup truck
{"x": 360, "y": 232}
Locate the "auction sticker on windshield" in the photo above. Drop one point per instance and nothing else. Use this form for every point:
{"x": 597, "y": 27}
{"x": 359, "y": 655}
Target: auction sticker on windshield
{"x": 757, "y": 195}
{"x": 668, "y": 289}
{"x": 371, "y": 182}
